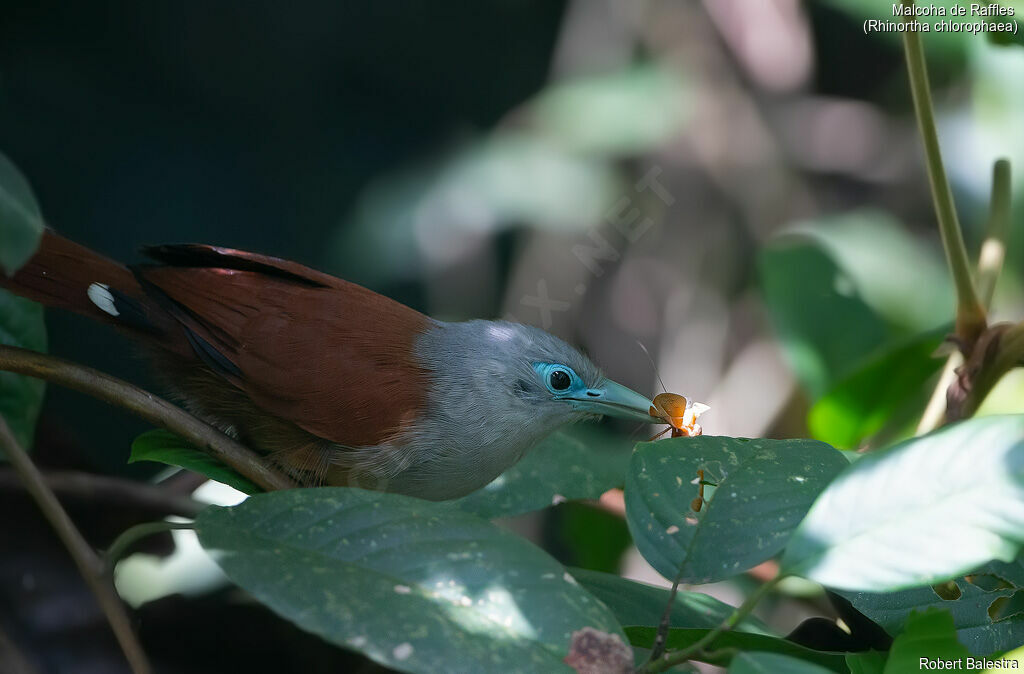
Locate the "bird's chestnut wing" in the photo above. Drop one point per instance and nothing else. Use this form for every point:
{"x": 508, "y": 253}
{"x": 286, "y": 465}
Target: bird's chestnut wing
{"x": 330, "y": 356}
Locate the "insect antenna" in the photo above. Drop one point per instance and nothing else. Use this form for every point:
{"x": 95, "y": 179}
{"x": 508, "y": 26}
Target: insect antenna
{"x": 653, "y": 365}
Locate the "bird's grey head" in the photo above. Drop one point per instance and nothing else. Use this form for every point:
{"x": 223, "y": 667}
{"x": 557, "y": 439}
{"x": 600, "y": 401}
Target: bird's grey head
{"x": 498, "y": 388}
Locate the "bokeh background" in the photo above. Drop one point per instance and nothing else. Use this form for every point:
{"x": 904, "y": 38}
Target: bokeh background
{"x": 736, "y": 187}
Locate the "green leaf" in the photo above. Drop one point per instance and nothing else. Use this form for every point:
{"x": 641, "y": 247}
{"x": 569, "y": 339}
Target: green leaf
{"x": 21, "y": 222}
{"x": 840, "y": 288}
{"x": 860, "y": 404}
{"x": 930, "y": 634}
{"x": 639, "y": 604}
{"x": 974, "y": 626}
{"x": 773, "y": 663}
{"x": 165, "y": 447}
{"x": 924, "y": 511}
{"x": 869, "y": 662}
{"x": 589, "y": 537}
{"x": 414, "y": 585}
{"x": 764, "y": 489}
{"x": 679, "y": 638}
{"x": 581, "y": 463}
{"x": 822, "y": 331}
{"x": 626, "y": 112}
{"x": 21, "y": 398}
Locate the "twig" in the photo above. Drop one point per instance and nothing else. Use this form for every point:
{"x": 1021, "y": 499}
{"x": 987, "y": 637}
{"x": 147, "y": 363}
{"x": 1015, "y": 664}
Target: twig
{"x": 146, "y": 405}
{"x": 935, "y": 410}
{"x": 88, "y": 563}
{"x": 990, "y": 264}
{"x": 993, "y": 249}
{"x": 661, "y": 636}
{"x": 101, "y": 488}
{"x": 132, "y": 535}
{"x": 735, "y": 618}
{"x": 970, "y": 315}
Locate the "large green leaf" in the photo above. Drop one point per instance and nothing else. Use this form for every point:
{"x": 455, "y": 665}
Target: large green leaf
{"x": 764, "y": 489}
{"x": 21, "y": 221}
{"x": 679, "y": 638}
{"x": 639, "y": 604}
{"x": 927, "y": 510}
{"x": 860, "y": 404}
{"x": 579, "y": 463}
{"x": 974, "y": 626}
{"x": 166, "y": 447}
{"x": 822, "y": 331}
{"x": 930, "y": 634}
{"x": 415, "y": 585}
{"x": 840, "y": 288}
{"x": 21, "y": 398}
{"x": 21, "y": 321}
{"x": 774, "y": 663}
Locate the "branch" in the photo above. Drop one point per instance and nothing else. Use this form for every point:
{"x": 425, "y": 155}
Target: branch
{"x": 116, "y": 491}
{"x": 89, "y": 565}
{"x": 970, "y": 315}
{"x": 735, "y": 618}
{"x": 990, "y": 263}
{"x": 146, "y": 405}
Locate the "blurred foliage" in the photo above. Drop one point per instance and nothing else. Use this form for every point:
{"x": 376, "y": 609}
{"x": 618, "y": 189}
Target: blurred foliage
{"x": 21, "y": 321}
{"x": 845, "y": 287}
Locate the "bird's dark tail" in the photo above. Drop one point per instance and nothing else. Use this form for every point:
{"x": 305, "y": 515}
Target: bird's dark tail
{"x": 68, "y": 276}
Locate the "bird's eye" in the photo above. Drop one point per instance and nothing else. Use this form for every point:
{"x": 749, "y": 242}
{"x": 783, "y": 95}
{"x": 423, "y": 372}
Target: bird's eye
{"x": 559, "y": 380}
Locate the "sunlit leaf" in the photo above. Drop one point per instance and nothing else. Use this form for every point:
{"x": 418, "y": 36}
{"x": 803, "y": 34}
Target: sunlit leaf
{"x": 922, "y": 512}
{"x": 930, "y": 634}
{"x": 764, "y": 488}
{"x": 861, "y": 403}
{"x": 415, "y": 585}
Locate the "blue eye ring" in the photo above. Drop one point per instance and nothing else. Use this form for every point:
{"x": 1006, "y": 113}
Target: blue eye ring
{"x": 558, "y": 379}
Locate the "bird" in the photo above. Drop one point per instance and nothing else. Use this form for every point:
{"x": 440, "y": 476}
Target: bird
{"x": 334, "y": 383}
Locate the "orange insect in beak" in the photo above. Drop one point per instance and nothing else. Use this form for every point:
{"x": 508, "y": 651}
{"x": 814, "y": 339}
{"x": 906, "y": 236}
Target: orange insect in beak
{"x": 679, "y": 413}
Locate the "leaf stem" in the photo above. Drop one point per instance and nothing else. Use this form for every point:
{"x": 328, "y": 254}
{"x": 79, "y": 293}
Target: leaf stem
{"x": 88, "y": 563}
{"x": 735, "y": 618}
{"x": 970, "y": 314}
{"x": 993, "y": 249}
{"x": 134, "y": 534}
{"x": 146, "y": 405}
{"x": 990, "y": 263}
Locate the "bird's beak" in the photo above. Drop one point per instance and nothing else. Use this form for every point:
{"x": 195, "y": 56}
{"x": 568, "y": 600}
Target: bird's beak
{"x": 615, "y": 400}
